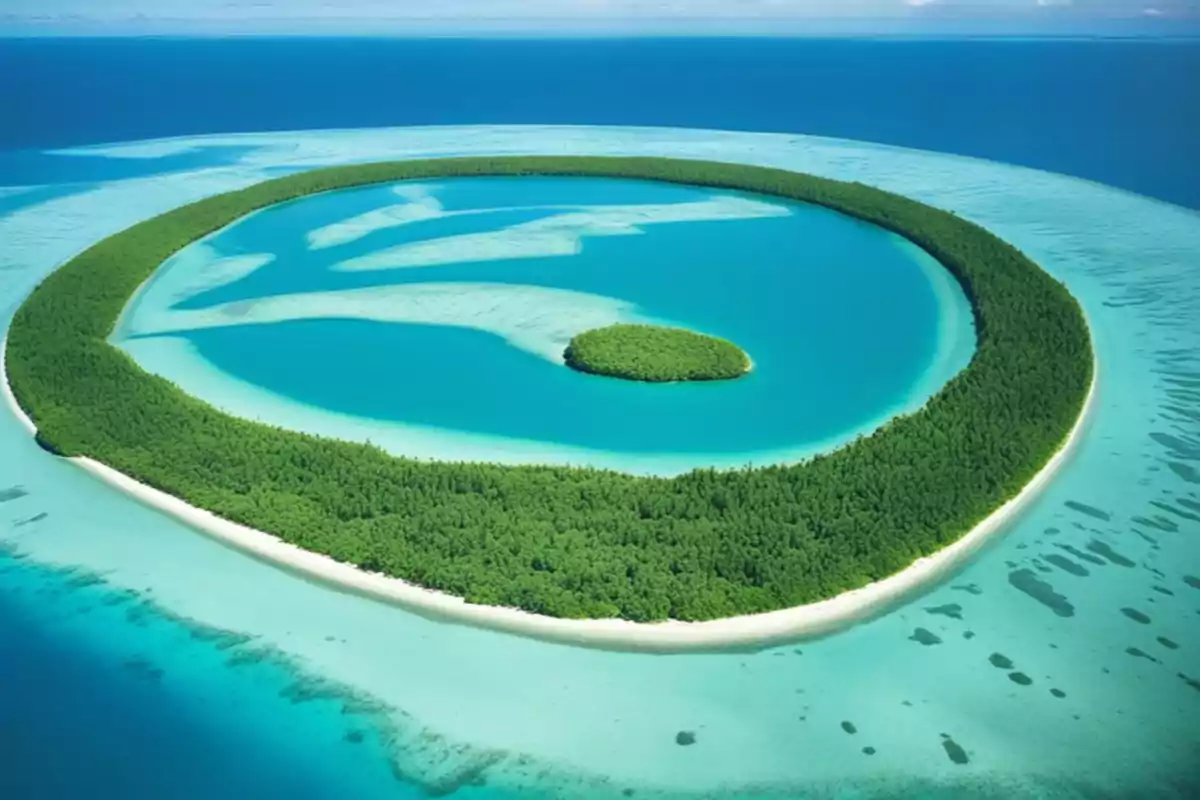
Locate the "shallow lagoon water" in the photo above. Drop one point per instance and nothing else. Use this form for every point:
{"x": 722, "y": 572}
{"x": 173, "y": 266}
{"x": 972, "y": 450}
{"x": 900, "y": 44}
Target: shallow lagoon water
{"x": 442, "y": 309}
{"x": 1018, "y": 677}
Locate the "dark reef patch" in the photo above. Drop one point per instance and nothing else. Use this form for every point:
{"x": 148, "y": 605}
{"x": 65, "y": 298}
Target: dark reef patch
{"x": 952, "y": 610}
{"x": 1025, "y": 581}
{"x": 1091, "y": 511}
{"x": 1104, "y": 551}
{"x": 1180, "y": 448}
{"x": 1137, "y": 652}
{"x": 12, "y": 493}
{"x": 1158, "y": 523}
{"x": 1082, "y": 556}
{"x": 248, "y": 657}
{"x": 308, "y": 690}
{"x": 84, "y": 580}
{"x": 1136, "y": 615}
{"x": 1000, "y": 661}
{"x": 955, "y": 751}
{"x": 221, "y": 639}
{"x": 1067, "y": 565}
{"x": 1185, "y": 471}
{"x": 121, "y": 597}
{"x": 925, "y": 637}
{"x": 1170, "y": 509}
{"x": 1181, "y": 414}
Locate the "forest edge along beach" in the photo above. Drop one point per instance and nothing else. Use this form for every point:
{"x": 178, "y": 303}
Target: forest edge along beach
{"x": 576, "y": 554}
{"x": 565, "y": 542}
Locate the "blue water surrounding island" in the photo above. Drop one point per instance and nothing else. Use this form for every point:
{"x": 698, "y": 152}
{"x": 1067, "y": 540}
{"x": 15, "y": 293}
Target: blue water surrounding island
{"x": 141, "y": 660}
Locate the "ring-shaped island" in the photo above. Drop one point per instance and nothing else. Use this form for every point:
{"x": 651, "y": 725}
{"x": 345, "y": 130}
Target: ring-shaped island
{"x": 709, "y": 558}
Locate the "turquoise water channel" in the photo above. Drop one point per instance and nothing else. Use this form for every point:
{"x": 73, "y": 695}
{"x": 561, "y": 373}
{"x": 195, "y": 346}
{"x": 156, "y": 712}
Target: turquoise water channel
{"x": 1062, "y": 663}
{"x": 442, "y": 308}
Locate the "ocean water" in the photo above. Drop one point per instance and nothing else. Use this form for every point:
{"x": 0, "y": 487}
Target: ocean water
{"x": 93, "y": 678}
{"x": 1123, "y": 113}
{"x": 445, "y": 308}
{"x": 1061, "y": 663}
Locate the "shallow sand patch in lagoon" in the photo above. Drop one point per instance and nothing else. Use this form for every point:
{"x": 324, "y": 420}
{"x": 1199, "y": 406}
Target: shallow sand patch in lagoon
{"x": 421, "y": 205}
{"x": 560, "y": 234}
{"x": 536, "y": 319}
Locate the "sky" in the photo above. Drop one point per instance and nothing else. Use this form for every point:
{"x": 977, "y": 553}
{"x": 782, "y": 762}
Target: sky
{"x": 619, "y": 16}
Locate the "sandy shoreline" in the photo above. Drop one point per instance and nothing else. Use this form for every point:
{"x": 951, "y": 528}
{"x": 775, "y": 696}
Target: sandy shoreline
{"x": 751, "y": 631}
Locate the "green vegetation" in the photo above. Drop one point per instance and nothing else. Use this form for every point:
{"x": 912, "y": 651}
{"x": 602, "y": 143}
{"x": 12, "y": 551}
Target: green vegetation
{"x": 579, "y": 542}
{"x": 654, "y": 353}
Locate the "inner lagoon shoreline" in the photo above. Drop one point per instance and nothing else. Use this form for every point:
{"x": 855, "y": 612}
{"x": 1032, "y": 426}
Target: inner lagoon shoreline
{"x": 751, "y": 631}
{"x": 178, "y": 360}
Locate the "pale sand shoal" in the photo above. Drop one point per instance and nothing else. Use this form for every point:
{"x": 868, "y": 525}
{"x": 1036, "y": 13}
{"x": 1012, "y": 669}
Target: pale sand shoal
{"x": 750, "y": 631}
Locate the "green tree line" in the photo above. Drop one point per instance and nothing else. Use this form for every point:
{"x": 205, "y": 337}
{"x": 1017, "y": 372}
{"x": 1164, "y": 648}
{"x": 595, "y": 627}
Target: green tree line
{"x": 564, "y": 541}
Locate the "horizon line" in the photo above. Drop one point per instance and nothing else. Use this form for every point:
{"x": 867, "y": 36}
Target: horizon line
{"x": 942, "y": 26}
{"x": 1191, "y": 34}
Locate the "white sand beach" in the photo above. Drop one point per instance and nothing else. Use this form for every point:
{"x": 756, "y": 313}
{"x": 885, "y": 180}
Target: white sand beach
{"x": 754, "y": 630}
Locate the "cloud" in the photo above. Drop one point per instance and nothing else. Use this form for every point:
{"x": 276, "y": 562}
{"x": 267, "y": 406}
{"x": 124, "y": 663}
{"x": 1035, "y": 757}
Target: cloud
{"x": 416, "y": 16}
{"x": 426, "y": 10}
{"x": 444, "y": 9}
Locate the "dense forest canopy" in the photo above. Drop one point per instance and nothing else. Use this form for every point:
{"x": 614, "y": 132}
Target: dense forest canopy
{"x": 655, "y": 353}
{"x": 578, "y": 542}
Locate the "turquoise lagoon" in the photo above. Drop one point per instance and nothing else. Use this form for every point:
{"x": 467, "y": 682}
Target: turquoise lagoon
{"x": 1062, "y": 662}
{"x": 441, "y": 310}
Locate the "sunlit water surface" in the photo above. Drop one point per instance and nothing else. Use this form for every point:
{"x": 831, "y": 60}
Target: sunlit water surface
{"x": 1062, "y": 663}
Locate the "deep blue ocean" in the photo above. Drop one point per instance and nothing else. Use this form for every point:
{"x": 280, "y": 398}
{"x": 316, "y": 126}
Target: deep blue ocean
{"x": 1125, "y": 113}
{"x": 74, "y": 722}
